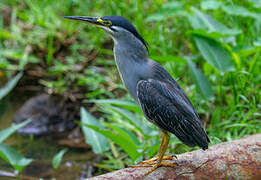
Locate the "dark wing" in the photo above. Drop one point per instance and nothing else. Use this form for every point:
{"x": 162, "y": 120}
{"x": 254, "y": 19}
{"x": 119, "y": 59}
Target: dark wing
{"x": 159, "y": 73}
{"x": 165, "y": 106}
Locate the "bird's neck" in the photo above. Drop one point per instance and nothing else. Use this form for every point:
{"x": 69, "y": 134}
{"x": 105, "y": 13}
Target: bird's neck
{"x": 128, "y": 47}
{"x": 131, "y": 58}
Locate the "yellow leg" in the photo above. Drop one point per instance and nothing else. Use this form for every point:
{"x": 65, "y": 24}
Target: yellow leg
{"x": 155, "y": 158}
{"x": 161, "y": 144}
{"x": 161, "y": 152}
{"x": 152, "y": 160}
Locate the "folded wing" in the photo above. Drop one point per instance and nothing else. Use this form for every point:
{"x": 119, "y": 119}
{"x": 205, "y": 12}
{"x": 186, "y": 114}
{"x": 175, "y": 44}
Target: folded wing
{"x": 168, "y": 107}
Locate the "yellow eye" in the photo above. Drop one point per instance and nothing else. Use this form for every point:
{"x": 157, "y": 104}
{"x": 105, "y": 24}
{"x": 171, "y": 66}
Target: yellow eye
{"x": 104, "y": 22}
{"x": 107, "y": 23}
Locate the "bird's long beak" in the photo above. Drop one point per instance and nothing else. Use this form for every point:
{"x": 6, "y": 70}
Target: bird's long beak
{"x": 91, "y": 20}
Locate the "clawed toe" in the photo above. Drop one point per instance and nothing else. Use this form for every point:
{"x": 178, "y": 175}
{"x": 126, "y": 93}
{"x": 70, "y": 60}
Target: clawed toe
{"x": 150, "y": 161}
{"x": 154, "y": 166}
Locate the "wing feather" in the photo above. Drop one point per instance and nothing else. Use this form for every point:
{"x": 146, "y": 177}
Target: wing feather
{"x": 166, "y": 106}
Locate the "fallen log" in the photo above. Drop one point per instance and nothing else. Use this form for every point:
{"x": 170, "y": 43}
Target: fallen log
{"x": 238, "y": 159}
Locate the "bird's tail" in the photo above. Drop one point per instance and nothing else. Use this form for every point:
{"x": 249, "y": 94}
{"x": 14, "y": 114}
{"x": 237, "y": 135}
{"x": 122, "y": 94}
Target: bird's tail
{"x": 192, "y": 133}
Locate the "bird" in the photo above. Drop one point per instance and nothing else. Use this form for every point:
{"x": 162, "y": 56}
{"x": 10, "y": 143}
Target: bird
{"x": 160, "y": 97}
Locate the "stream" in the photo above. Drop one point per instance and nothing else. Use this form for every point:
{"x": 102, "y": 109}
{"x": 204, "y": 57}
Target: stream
{"x": 75, "y": 163}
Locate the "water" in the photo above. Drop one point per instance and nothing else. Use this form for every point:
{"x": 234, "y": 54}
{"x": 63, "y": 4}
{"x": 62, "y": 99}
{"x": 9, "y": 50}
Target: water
{"x": 42, "y": 149}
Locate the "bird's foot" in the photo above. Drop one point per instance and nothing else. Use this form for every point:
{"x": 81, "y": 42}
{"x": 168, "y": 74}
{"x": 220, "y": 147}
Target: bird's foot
{"x": 150, "y": 161}
{"x": 154, "y": 166}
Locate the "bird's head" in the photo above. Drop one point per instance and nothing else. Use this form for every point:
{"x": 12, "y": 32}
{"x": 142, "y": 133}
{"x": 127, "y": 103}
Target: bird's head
{"x": 116, "y": 26}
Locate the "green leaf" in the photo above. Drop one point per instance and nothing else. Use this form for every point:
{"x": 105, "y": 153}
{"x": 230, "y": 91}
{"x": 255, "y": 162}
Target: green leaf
{"x": 257, "y": 43}
{"x": 172, "y": 5}
{"x": 153, "y": 149}
{"x": 10, "y": 85}
{"x": 202, "y": 84}
{"x": 98, "y": 142}
{"x": 5, "y": 34}
{"x": 200, "y": 20}
{"x": 14, "y": 158}
{"x": 58, "y": 158}
{"x": 118, "y": 102}
{"x": 129, "y": 116}
{"x": 167, "y": 10}
{"x": 210, "y": 34}
{"x": 135, "y": 121}
{"x": 214, "y": 53}
{"x": 168, "y": 58}
{"x": 155, "y": 17}
{"x": 128, "y": 146}
{"x": 210, "y": 4}
{"x": 238, "y": 11}
{"x": 50, "y": 48}
{"x": 124, "y": 132}
{"x": 256, "y": 3}
{"x": 5, "y": 133}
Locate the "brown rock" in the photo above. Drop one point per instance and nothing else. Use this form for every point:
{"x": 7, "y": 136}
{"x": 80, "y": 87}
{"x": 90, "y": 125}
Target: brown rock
{"x": 49, "y": 114}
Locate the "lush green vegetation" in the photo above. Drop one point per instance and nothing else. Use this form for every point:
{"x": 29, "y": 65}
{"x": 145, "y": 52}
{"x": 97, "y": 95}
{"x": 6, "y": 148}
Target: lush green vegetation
{"x": 213, "y": 49}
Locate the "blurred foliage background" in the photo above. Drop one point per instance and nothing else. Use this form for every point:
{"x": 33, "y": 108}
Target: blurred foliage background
{"x": 212, "y": 48}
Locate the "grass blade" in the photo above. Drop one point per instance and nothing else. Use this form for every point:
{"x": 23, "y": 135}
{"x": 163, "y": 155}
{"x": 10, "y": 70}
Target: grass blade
{"x": 10, "y": 85}
{"x": 5, "y": 133}
{"x": 57, "y": 159}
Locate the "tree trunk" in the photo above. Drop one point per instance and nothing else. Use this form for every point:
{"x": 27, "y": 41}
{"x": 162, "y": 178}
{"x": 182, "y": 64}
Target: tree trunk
{"x": 238, "y": 159}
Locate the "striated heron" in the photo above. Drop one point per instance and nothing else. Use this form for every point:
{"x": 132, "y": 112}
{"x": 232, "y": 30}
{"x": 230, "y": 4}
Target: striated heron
{"x": 160, "y": 97}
